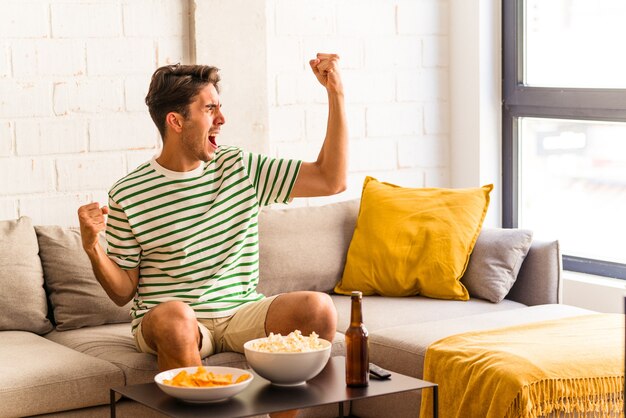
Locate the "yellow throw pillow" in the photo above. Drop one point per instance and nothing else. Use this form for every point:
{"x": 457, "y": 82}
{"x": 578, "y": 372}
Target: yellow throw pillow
{"x": 410, "y": 241}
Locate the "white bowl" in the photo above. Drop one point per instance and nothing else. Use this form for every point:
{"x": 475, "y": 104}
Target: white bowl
{"x": 287, "y": 369}
{"x": 203, "y": 394}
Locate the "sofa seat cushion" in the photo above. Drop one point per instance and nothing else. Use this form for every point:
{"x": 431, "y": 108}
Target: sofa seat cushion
{"x": 403, "y": 348}
{"x": 40, "y": 376}
{"x": 383, "y": 312}
{"x": 114, "y": 343}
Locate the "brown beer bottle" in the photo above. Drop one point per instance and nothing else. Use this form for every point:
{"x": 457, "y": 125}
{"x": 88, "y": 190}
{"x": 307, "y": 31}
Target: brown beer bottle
{"x": 357, "y": 346}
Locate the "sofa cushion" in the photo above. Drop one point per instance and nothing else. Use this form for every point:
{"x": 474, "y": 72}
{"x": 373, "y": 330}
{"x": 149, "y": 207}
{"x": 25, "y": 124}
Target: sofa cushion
{"x": 23, "y": 304}
{"x": 381, "y": 312}
{"x": 495, "y": 262}
{"x": 114, "y": 343}
{"x": 76, "y": 297}
{"x": 304, "y": 248}
{"x": 411, "y": 241}
{"x": 40, "y": 376}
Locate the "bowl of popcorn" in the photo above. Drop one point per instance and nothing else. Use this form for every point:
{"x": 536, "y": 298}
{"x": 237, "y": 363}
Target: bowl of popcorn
{"x": 288, "y": 360}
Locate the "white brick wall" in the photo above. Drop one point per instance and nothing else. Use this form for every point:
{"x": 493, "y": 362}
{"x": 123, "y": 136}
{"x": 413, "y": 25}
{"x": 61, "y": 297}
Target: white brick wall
{"x": 5, "y": 64}
{"x": 6, "y": 138}
{"x": 40, "y": 57}
{"x": 26, "y": 175}
{"x": 366, "y": 19}
{"x": 59, "y": 209}
{"x": 8, "y": 209}
{"x": 123, "y": 132}
{"x": 395, "y": 70}
{"x": 88, "y": 20}
{"x": 73, "y": 77}
{"x": 302, "y": 18}
{"x": 74, "y": 74}
{"x": 51, "y": 136}
{"x": 427, "y": 17}
{"x": 95, "y": 171}
{"x": 22, "y": 19}
{"x": 21, "y": 98}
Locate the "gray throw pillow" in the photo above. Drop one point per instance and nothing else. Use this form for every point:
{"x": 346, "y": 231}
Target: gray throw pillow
{"x": 23, "y": 305}
{"x": 77, "y": 299}
{"x": 495, "y": 262}
{"x": 304, "y": 248}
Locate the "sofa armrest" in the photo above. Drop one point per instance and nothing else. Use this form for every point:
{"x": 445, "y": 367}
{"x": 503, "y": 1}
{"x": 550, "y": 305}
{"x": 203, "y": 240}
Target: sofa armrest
{"x": 539, "y": 280}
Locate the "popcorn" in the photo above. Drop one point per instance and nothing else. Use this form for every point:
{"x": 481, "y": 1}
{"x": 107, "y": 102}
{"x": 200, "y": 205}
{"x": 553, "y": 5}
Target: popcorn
{"x": 295, "y": 342}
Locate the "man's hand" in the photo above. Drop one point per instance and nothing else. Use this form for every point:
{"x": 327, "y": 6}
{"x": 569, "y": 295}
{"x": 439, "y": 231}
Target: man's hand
{"x": 326, "y": 69}
{"x": 91, "y": 219}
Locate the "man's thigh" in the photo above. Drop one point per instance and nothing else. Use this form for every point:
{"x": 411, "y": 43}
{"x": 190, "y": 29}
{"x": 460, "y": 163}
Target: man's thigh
{"x": 246, "y": 324}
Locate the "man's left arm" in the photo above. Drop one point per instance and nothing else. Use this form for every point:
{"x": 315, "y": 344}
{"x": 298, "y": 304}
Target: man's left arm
{"x": 328, "y": 174}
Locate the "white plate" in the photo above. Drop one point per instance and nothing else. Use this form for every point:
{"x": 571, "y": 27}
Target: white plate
{"x": 203, "y": 395}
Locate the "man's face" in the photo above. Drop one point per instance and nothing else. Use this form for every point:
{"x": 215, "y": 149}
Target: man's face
{"x": 202, "y": 125}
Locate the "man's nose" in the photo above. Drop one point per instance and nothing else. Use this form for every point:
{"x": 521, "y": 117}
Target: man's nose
{"x": 219, "y": 119}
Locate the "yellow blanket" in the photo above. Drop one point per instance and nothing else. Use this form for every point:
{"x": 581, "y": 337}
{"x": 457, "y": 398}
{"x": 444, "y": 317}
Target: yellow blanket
{"x": 566, "y": 365}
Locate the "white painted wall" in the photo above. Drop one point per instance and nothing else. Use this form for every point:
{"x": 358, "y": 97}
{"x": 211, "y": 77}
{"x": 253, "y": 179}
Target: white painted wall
{"x": 475, "y": 85}
{"x": 600, "y": 294}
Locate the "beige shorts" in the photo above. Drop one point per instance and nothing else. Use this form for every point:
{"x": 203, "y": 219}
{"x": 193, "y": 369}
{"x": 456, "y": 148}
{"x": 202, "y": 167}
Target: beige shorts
{"x": 225, "y": 334}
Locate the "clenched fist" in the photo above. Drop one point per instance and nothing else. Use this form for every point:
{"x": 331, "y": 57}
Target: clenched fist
{"x": 326, "y": 69}
{"x": 92, "y": 221}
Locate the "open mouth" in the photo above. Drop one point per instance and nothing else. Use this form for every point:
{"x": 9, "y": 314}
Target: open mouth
{"x": 212, "y": 140}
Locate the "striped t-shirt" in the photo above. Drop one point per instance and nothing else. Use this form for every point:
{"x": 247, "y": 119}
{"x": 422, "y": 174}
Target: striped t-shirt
{"x": 194, "y": 235}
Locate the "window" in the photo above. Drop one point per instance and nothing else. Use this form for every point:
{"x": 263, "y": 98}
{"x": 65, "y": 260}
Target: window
{"x": 564, "y": 127}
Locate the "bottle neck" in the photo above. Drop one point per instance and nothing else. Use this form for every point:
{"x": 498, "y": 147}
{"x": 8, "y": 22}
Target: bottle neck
{"x": 356, "y": 316}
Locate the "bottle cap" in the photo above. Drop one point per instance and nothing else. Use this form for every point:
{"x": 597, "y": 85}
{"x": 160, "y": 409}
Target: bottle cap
{"x": 357, "y": 293}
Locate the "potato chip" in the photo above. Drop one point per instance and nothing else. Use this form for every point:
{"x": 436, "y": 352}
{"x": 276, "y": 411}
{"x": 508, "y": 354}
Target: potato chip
{"x": 203, "y": 378}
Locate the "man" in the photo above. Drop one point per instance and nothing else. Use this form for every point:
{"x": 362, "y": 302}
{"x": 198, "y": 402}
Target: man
{"x": 182, "y": 228}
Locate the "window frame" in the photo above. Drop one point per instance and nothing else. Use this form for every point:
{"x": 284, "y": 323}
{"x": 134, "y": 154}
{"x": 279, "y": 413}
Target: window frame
{"x": 520, "y": 100}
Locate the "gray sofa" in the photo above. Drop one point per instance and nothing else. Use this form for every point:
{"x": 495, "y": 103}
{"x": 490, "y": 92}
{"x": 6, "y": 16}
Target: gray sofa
{"x": 63, "y": 344}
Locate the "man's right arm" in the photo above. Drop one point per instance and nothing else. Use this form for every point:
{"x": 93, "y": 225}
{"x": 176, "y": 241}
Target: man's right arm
{"x": 118, "y": 283}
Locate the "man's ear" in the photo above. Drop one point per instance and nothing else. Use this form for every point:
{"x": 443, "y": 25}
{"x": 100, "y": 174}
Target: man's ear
{"x": 174, "y": 121}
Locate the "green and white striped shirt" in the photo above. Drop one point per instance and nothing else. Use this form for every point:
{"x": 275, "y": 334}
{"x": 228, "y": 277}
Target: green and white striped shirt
{"x": 194, "y": 235}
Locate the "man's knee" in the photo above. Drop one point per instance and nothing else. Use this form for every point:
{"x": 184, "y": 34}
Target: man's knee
{"x": 322, "y": 304}
{"x": 304, "y": 310}
{"x": 321, "y": 309}
{"x": 172, "y": 312}
{"x": 172, "y": 321}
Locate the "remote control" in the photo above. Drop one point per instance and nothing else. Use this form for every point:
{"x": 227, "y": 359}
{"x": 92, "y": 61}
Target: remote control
{"x": 379, "y": 372}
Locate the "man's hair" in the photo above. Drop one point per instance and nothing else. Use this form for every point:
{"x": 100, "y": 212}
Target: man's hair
{"x": 173, "y": 88}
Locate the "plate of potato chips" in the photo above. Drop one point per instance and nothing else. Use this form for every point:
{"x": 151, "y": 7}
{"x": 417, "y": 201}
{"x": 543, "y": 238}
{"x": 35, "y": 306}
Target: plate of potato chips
{"x": 203, "y": 384}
